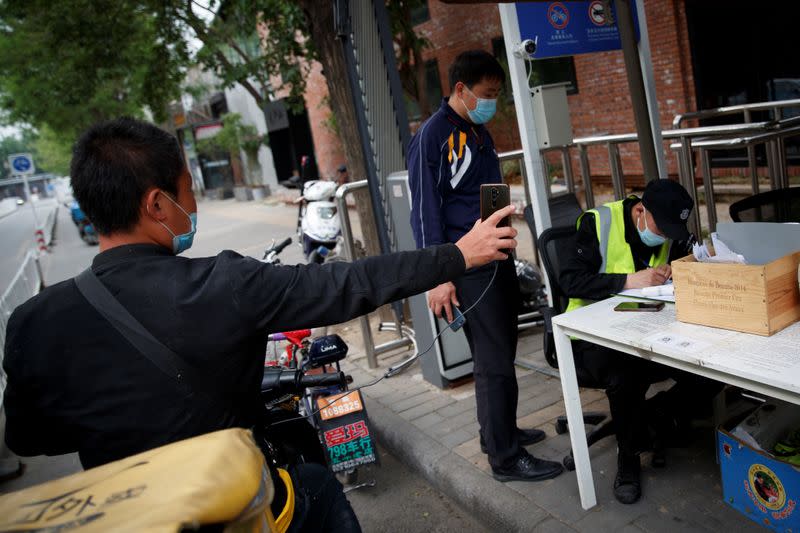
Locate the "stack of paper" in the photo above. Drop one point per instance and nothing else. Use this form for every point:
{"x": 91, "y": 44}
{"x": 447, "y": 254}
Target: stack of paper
{"x": 662, "y": 293}
{"x": 723, "y": 253}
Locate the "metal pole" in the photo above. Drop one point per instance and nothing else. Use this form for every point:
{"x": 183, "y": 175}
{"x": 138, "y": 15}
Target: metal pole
{"x": 349, "y": 249}
{"x": 772, "y": 165}
{"x": 689, "y": 185}
{"x": 566, "y": 162}
{"x": 616, "y": 171}
{"x": 782, "y": 163}
{"x": 751, "y": 158}
{"x": 30, "y": 201}
{"x": 587, "y": 176}
{"x": 525, "y": 120}
{"x": 546, "y": 174}
{"x": 708, "y": 189}
{"x": 633, "y": 68}
{"x": 650, "y": 89}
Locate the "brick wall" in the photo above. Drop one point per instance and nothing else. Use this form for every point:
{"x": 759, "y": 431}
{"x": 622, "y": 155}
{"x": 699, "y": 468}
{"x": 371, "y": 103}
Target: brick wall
{"x": 602, "y": 104}
{"x": 327, "y": 145}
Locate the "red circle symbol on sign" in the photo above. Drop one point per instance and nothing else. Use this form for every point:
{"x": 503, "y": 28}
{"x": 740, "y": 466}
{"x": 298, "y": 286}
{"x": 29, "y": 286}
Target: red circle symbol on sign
{"x": 597, "y": 13}
{"x": 558, "y": 15}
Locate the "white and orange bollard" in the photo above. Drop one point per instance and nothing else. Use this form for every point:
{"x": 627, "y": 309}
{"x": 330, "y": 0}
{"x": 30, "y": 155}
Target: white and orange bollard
{"x": 40, "y": 240}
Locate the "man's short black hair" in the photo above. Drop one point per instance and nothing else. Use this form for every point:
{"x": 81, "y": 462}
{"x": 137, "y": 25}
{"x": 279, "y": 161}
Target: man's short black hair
{"x": 472, "y": 66}
{"x": 114, "y": 163}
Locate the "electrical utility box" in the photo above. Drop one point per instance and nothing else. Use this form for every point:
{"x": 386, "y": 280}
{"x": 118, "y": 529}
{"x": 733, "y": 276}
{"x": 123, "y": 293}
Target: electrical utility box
{"x": 551, "y": 114}
{"x": 450, "y": 358}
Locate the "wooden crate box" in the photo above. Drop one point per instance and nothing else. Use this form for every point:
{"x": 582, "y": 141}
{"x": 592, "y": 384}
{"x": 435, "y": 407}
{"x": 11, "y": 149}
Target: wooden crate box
{"x": 760, "y": 299}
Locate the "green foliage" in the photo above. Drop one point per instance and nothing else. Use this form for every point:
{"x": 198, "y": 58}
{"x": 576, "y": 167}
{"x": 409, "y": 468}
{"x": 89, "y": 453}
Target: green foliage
{"x": 234, "y": 51}
{"x": 232, "y": 137}
{"x": 65, "y": 65}
{"x": 329, "y": 123}
{"x": 54, "y": 152}
{"x": 409, "y": 46}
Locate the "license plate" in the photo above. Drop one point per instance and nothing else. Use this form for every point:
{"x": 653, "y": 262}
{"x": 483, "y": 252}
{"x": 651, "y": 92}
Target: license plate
{"x": 339, "y": 405}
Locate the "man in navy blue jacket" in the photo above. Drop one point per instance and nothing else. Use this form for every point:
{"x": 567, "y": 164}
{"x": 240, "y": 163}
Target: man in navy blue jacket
{"x": 449, "y": 159}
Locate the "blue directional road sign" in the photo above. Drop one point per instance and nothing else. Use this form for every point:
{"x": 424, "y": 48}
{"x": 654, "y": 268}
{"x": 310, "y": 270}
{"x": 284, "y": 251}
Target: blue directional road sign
{"x": 569, "y": 28}
{"x": 21, "y": 164}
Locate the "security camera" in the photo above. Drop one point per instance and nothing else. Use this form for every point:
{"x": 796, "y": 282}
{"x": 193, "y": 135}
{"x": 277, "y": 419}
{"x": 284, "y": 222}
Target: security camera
{"x": 526, "y": 49}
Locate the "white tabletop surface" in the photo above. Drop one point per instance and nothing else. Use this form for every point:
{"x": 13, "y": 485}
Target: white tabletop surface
{"x": 773, "y": 361}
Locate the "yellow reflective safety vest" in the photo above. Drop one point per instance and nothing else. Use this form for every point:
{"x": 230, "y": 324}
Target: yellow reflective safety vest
{"x": 614, "y": 249}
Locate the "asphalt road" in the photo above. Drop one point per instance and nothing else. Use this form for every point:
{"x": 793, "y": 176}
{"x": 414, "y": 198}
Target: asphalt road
{"x": 17, "y": 237}
{"x": 402, "y": 501}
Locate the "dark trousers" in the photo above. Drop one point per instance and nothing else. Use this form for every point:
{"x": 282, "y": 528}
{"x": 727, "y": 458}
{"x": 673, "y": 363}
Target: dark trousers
{"x": 491, "y": 330}
{"x": 626, "y": 379}
{"x": 320, "y": 503}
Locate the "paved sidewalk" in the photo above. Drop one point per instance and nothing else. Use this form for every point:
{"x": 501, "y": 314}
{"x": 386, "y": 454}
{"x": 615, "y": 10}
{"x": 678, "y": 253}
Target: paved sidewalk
{"x": 436, "y": 432}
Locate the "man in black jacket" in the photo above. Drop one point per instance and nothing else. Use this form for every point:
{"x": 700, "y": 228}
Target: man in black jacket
{"x": 75, "y": 384}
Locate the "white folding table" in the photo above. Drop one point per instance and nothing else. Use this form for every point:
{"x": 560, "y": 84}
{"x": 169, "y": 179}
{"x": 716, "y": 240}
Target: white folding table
{"x": 767, "y": 365}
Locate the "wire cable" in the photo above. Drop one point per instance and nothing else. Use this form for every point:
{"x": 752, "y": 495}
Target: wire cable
{"x": 399, "y": 368}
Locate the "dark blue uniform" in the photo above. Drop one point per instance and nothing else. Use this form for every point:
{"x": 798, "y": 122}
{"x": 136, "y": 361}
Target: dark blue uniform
{"x": 448, "y": 161}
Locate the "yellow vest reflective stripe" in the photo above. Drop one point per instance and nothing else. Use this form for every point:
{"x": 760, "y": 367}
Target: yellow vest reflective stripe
{"x": 616, "y": 252}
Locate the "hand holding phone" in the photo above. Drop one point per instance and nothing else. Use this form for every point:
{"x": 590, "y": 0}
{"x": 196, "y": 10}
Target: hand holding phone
{"x": 458, "y": 319}
{"x": 640, "y": 306}
{"x": 494, "y": 196}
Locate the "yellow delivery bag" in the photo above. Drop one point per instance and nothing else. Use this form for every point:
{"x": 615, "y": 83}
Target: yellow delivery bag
{"x": 218, "y": 478}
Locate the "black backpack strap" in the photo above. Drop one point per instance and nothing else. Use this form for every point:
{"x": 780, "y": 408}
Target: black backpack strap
{"x": 187, "y": 378}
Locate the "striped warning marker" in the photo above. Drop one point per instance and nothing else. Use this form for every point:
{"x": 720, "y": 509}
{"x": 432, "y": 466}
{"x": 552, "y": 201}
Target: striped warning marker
{"x": 40, "y": 240}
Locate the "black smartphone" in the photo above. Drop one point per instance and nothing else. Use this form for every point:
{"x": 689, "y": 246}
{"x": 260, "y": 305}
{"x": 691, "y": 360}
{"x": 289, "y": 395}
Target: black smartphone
{"x": 494, "y": 196}
{"x": 640, "y": 306}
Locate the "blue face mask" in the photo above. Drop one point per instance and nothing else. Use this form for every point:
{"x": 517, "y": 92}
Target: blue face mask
{"x": 483, "y": 112}
{"x": 182, "y": 242}
{"x": 648, "y": 237}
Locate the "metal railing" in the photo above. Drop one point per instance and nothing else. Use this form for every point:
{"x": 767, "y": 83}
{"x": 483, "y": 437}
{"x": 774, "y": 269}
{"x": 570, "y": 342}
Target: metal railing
{"x": 371, "y": 349}
{"x": 27, "y": 282}
{"x": 49, "y": 225}
{"x": 746, "y": 110}
{"x": 771, "y": 133}
{"x": 776, "y": 160}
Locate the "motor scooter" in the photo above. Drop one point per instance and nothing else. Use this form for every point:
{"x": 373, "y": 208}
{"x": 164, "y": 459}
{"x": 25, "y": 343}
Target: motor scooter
{"x": 318, "y": 222}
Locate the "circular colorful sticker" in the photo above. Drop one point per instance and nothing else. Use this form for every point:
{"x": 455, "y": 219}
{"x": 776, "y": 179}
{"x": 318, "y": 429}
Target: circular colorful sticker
{"x": 558, "y": 15}
{"x": 767, "y": 487}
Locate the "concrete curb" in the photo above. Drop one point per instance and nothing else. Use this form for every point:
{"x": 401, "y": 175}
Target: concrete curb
{"x": 495, "y": 504}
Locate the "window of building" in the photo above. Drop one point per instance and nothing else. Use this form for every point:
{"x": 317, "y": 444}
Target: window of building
{"x": 545, "y": 71}
{"x": 420, "y": 14}
{"x": 433, "y": 90}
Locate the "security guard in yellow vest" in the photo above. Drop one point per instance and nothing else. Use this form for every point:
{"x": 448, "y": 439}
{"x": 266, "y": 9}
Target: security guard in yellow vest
{"x": 628, "y": 244}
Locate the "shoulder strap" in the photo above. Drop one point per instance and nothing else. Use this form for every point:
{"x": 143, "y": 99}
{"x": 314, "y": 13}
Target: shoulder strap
{"x": 187, "y": 378}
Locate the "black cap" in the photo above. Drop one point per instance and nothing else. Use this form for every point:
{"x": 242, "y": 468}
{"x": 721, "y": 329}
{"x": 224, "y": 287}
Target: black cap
{"x": 670, "y": 205}
{"x": 342, "y": 168}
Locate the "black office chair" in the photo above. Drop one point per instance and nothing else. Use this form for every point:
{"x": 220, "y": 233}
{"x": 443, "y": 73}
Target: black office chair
{"x": 553, "y": 245}
{"x": 780, "y": 205}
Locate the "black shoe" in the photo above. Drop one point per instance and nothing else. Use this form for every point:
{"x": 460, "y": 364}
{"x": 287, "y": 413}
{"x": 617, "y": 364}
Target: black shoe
{"x": 528, "y": 468}
{"x": 628, "y": 483}
{"x": 526, "y": 437}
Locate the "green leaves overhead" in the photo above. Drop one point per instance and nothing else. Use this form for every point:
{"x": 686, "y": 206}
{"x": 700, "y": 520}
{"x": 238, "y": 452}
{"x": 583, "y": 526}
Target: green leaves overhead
{"x": 70, "y": 63}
